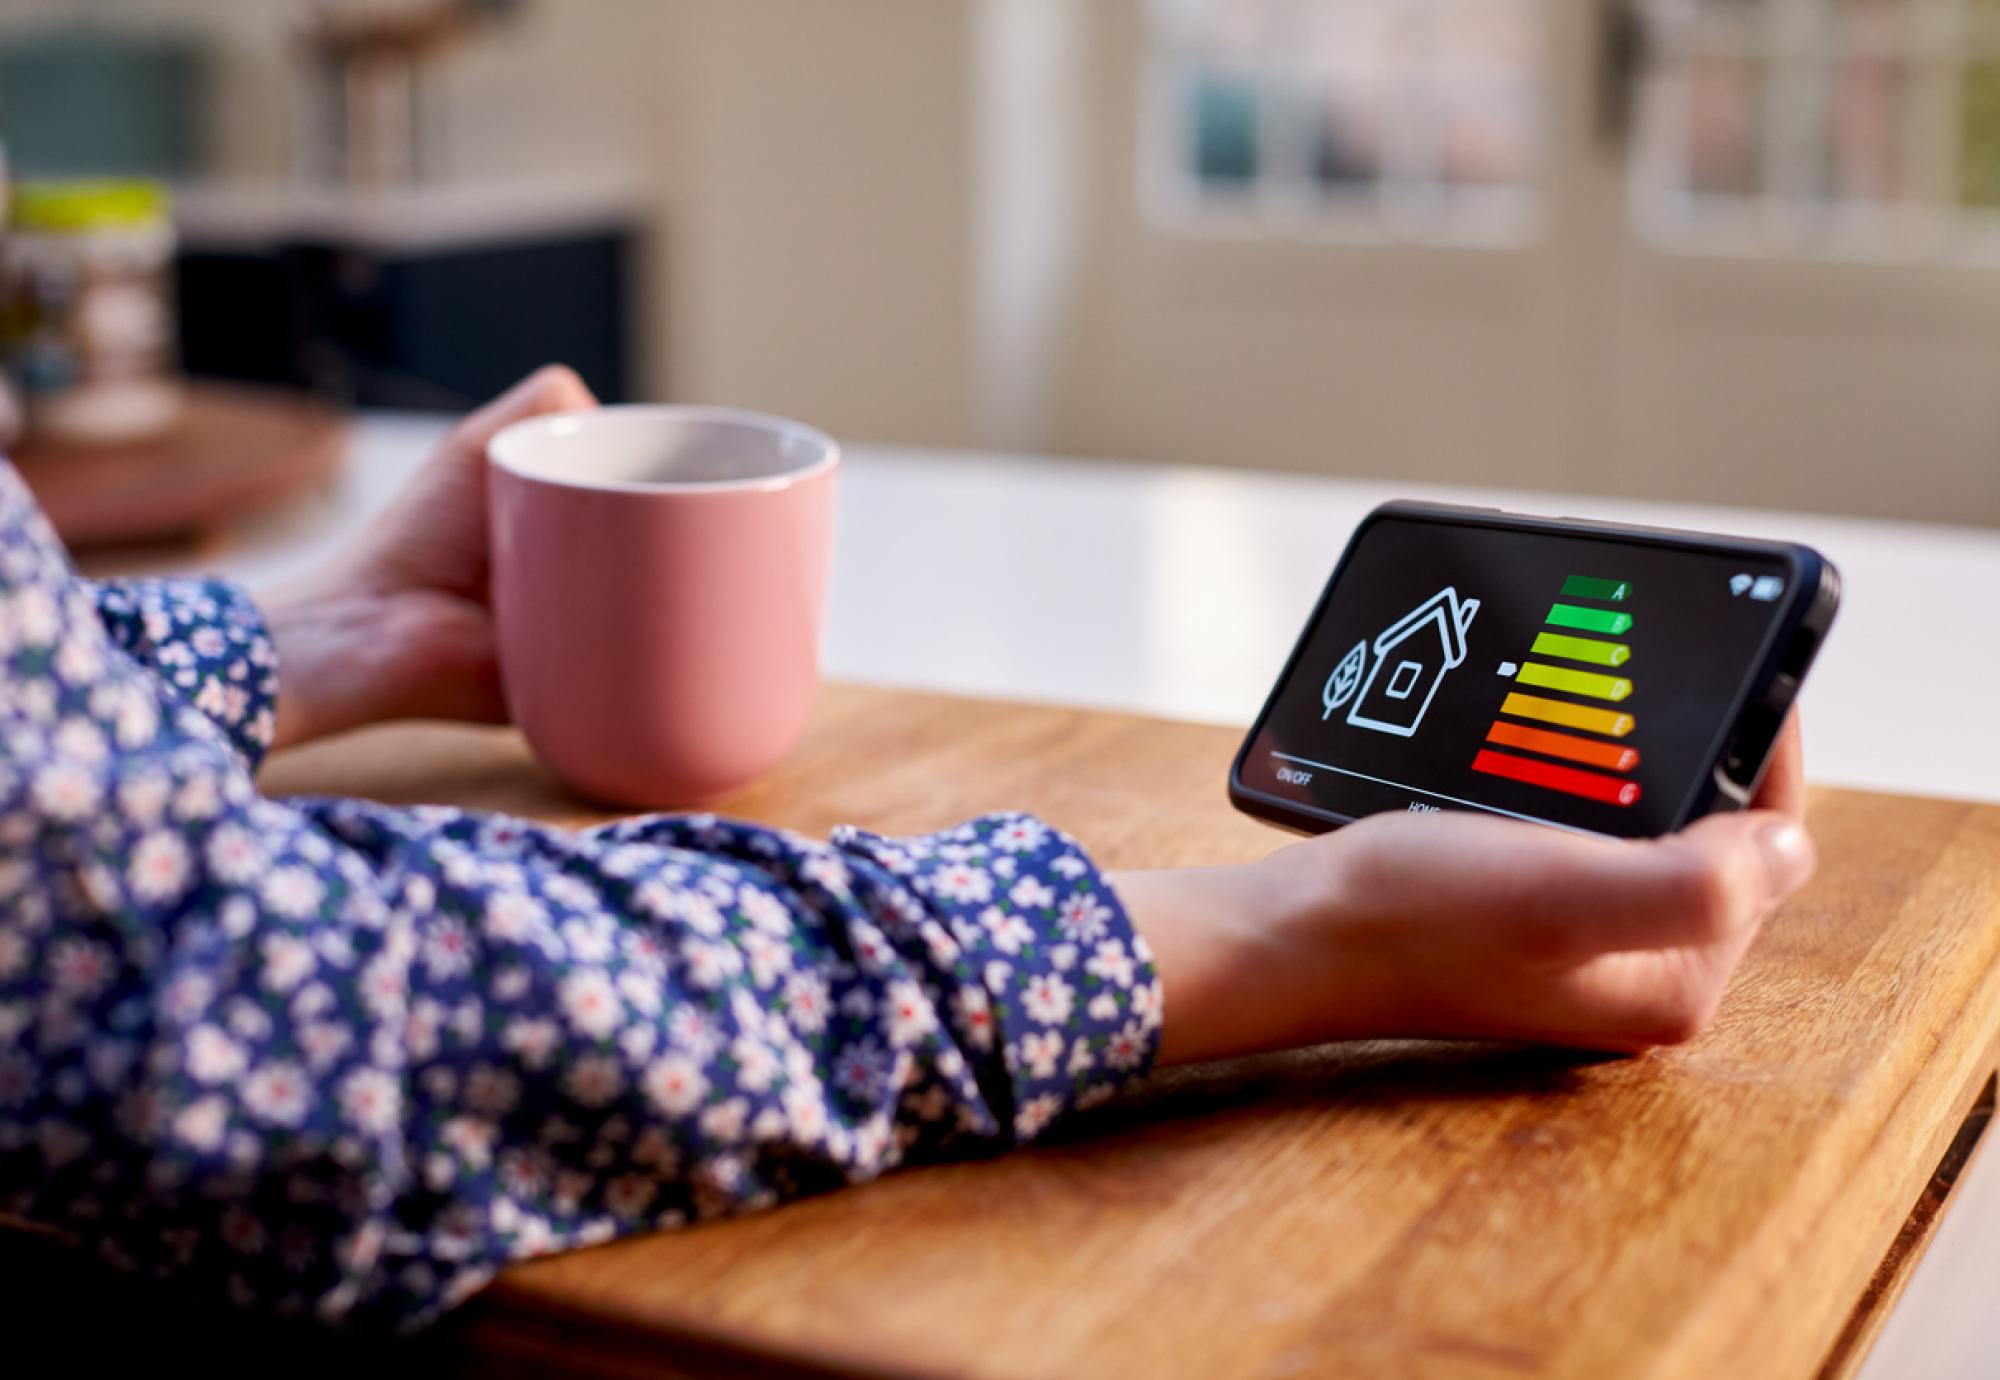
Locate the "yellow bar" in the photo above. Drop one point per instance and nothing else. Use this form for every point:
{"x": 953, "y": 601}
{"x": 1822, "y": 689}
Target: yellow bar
{"x": 1589, "y": 683}
{"x": 1581, "y": 649}
{"x": 1568, "y": 715}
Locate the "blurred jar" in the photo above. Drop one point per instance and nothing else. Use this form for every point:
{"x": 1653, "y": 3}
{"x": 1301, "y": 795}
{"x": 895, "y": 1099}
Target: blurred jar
{"x": 88, "y": 326}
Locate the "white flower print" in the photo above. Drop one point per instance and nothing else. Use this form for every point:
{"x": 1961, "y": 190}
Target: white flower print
{"x": 234, "y": 855}
{"x": 202, "y": 1123}
{"x": 911, "y": 1014}
{"x": 80, "y": 740}
{"x": 143, "y": 798}
{"x": 1111, "y": 963}
{"x": 860, "y": 1068}
{"x": 471, "y": 1138}
{"x": 1069, "y": 865}
{"x": 1083, "y": 918}
{"x": 370, "y": 1100}
{"x": 1010, "y": 933}
{"x": 80, "y": 968}
{"x": 200, "y": 797}
{"x": 288, "y": 961}
{"x": 159, "y": 869}
{"x": 764, "y": 911}
{"x": 591, "y": 1003}
{"x": 385, "y": 983}
{"x": 14, "y": 953}
{"x": 675, "y": 1084}
{"x": 709, "y": 965}
{"x": 1040, "y": 1052}
{"x": 756, "y": 1065}
{"x": 212, "y": 1057}
{"x": 278, "y": 1092}
{"x": 641, "y": 991}
{"x": 513, "y": 918}
{"x": 324, "y": 1043}
{"x": 1127, "y": 1048}
{"x": 961, "y": 883}
{"x": 768, "y": 957}
{"x": 293, "y": 892}
{"x": 531, "y": 1039}
{"x": 806, "y": 1002}
{"x": 66, "y": 791}
{"x": 973, "y": 1011}
{"x": 1048, "y": 999}
{"x": 1036, "y": 1114}
{"x": 1032, "y": 893}
{"x": 1020, "y": 834}
{"x": 828, "y": 871}
{"x": 447, "y": 949}
{"x": 1103, "y": 1007}
{"x": 629, "y": 1195}
{"x": 723, "y": 1122}
{"x": 491, "y": 1090}
{"x": 594, "y": 1080}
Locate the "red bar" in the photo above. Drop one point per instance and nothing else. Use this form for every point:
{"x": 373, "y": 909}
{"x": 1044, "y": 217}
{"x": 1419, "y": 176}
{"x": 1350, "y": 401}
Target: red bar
{"x": 1589, "y": 751}
{"x": 1588, "y": 784}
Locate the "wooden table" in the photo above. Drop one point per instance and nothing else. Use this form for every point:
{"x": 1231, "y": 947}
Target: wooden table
{"x": 1748, "y": 1205}
{"x": 235, "y": 452}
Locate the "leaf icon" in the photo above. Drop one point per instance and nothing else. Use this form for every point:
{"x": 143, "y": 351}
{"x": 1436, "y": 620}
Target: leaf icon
{"x": 1345, "y": 680}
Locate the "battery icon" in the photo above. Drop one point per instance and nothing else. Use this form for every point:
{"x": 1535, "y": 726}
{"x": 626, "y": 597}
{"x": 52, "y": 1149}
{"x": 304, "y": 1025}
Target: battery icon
{"x": 1767, "y": 588}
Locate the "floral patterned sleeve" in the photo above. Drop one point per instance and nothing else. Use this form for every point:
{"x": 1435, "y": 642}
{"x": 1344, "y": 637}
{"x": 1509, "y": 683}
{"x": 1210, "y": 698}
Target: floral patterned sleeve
{"x": 326, "y": 1056}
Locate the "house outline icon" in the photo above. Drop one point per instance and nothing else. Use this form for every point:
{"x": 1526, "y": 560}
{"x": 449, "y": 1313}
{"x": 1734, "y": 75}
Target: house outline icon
{"x": 1389, "y": 711}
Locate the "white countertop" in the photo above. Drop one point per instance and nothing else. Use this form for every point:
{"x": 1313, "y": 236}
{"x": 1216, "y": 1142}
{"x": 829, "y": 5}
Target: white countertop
{"x": 1179, "y": 591}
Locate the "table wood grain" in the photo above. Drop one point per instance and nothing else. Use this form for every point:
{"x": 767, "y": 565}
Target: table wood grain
{"x": 1746, "y": 1205}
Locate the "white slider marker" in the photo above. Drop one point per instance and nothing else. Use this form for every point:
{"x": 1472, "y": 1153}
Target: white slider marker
{"x": 1508, "y": 668}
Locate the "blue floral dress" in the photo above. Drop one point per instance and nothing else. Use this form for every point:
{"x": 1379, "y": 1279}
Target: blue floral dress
{"x": 324, "y": 1056}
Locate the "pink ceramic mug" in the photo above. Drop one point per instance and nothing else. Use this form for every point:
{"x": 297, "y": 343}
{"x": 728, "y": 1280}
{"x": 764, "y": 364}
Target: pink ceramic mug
{"x": 659, "y": 581}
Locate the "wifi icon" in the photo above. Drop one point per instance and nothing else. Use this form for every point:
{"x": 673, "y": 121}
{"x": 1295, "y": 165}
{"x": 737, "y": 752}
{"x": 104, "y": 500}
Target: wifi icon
{"x": 1738, "y": 584}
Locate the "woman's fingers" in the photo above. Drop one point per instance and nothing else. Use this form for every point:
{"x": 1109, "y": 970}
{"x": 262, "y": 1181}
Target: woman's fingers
{"x": 1563, "y": 897}
{"x": 1784, "y": 784}
{"x": 551, "y": 388}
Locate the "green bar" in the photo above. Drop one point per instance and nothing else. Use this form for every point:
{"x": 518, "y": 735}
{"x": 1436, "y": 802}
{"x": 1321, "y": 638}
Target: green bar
{"x": 1576, "y": 682}
{"x": 1582, "y": 649}
{"x": 1590, "y": 620}
{"x": 1590, "y": 587}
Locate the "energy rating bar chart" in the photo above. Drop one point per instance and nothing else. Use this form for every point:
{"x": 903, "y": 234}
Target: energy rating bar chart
{"x": 1591, "y": 683}
{"x": 1589, "y": 751}
{"x": 1590, "y": 587}
{"x": 1581, "y": 649}
{"x": 1586, "y": 717}
{"x": 1589, "y": 620}
{"x": 1603, "y": 752}
{"x": 1569, "y": 780}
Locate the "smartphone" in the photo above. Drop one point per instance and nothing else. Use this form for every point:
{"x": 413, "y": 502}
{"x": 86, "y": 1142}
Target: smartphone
{"x": 1614, "y": 680}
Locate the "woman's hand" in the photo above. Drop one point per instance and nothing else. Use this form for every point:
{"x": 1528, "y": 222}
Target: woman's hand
{"x": 1464, "y": 925}
{"x": 398, "y": 626}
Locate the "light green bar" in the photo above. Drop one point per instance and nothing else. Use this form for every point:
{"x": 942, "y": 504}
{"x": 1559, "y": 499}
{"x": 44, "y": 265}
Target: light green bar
{"x": 1582, "y": 649}
{"x": 1576, "y": 682}
{"x": 1589, "y": 620}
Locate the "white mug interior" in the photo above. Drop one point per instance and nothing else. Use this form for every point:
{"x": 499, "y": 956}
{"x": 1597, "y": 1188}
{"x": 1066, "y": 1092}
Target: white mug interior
{"x": 660, "y": 448}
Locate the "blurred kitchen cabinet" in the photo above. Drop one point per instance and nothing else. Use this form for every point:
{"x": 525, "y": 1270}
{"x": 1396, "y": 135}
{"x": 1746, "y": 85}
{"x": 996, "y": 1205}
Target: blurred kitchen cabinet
{"x": 430, "y": 298}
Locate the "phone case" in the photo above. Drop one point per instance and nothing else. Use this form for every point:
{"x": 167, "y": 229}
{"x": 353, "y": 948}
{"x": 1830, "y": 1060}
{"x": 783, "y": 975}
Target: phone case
{"x": 1742, "y": 747}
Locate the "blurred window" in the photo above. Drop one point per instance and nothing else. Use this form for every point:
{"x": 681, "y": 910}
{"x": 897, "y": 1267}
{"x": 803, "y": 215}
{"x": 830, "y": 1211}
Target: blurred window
{"x": 1407, "y": 118}
{"x": 1842, "y": 126}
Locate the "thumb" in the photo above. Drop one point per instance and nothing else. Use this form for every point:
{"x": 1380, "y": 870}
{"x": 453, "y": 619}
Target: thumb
{"x": 1730, "y": 869}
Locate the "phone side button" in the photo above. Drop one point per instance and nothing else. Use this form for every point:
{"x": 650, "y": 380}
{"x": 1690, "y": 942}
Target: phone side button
{"x": 1755, "y": 733}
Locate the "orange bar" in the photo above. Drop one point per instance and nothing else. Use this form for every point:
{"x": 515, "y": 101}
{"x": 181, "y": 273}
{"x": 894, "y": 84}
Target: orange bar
{"x": 1611, "y": 756}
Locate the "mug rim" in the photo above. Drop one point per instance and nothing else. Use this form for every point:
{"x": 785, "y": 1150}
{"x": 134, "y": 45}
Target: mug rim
{"x": 516, "y": 434}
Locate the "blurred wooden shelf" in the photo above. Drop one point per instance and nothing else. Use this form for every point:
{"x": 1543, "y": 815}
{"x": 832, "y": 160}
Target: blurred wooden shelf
{"x": 235, "y": 453}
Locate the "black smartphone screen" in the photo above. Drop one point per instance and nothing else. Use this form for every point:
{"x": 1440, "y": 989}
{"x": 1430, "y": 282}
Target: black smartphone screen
{"x": 1585, "y": 681}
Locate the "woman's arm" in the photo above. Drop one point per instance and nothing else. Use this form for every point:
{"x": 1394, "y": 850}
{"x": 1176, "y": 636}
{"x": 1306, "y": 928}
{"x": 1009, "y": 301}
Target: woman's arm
{"x": 322, "y": 1055}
